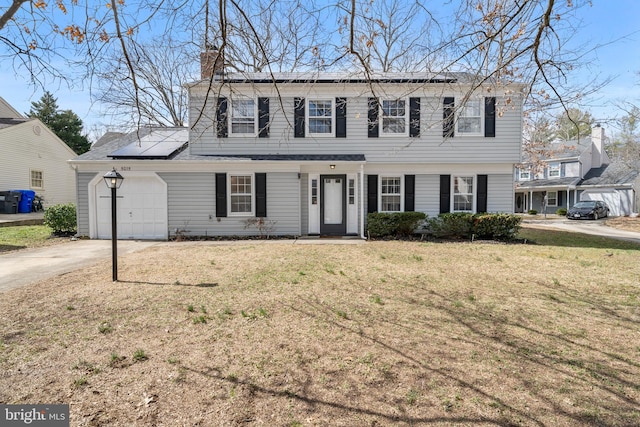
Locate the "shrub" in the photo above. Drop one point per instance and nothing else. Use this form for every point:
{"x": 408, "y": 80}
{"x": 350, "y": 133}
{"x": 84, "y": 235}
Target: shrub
{"x": 393, "y": 224}
{"x": 532, "y": 212}
{"x": 61, "y": 219}
{"x": 466, "y": 225}
{"x": 451, "y": 225}
{"x": 561, "y": 211}
{"x": 496, "y": 226}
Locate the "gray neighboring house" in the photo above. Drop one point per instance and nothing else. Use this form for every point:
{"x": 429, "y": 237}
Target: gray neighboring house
{"x": 308, "y": 154}
{"x": 576, "y": 171}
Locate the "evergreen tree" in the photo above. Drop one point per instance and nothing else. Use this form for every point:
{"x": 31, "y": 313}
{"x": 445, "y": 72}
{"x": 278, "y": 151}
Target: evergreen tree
{"x": 574, "y": 124}
{"x": 64, "y": 123}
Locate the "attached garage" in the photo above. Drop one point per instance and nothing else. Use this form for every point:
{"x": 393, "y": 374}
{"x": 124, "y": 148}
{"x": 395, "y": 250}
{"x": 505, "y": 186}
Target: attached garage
{"x": 620, "y": 202}
{"x": 141, "y": 208}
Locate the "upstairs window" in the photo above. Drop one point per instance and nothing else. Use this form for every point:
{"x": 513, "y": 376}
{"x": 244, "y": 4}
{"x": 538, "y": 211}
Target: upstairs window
{"x": 463, "y": 194}
{"x": 243, "y": 117}
{"x": 554, "y": 170}
{"x": 394, "y": 117}
{"x": 320, "y": 117}
{"x": 390, "y": 194}
{"x": 525, "y": 175}
{"x": 470, "y": 118}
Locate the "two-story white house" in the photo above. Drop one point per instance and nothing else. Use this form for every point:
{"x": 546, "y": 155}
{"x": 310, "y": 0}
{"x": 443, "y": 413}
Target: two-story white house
{"x": 311, "y": 154}
{"x": 575, "y": 171}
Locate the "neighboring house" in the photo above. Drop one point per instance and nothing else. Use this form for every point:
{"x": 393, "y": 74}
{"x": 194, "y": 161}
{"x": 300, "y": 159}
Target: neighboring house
{"x": 308, "y": 154}
{"x": 575, "y": 171}
{"x": 32, "y": 157}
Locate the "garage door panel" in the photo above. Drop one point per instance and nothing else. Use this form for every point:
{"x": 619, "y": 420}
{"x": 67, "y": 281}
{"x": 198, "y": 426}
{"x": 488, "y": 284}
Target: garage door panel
{"x": 142, "y": 209}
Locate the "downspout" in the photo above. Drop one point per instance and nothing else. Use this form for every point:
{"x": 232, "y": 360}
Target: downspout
{"x": 362, "y": 201}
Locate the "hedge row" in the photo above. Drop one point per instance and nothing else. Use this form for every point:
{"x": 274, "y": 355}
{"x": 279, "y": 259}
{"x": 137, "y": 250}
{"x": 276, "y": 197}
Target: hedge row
{"x": 449, "y": 225}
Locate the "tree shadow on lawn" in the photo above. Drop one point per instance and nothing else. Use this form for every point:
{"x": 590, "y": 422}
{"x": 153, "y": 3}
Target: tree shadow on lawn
{"x": 176, "y": 283}
{"x": 584, "y": 364}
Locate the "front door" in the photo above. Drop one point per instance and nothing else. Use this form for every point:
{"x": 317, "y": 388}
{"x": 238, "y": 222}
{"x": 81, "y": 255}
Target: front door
{"x": 333, "y": 206}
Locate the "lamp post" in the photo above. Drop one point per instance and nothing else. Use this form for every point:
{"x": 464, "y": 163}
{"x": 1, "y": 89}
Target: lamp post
{"x": 114, "y": 180}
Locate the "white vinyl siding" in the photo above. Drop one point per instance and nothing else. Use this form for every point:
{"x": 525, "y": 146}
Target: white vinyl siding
{"x": 427, "y": 149}
{"x": 191, "y": 205}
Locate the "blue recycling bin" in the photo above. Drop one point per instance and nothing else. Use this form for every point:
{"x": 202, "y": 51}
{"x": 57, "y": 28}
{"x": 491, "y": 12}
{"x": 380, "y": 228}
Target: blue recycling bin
{"x": 26, "y": 202}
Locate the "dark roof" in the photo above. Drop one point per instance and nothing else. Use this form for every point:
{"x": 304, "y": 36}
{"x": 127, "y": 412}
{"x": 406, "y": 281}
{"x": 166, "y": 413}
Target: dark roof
{"x": 111, "y": 148}
{"x": 616, "y": 173}
{"x": 102, "y": 151}
{"x": 296, "y": 157}
{"x": 108, "y": 136}
{"x": 7, "y": 122}
{"x": 549, "y": 183}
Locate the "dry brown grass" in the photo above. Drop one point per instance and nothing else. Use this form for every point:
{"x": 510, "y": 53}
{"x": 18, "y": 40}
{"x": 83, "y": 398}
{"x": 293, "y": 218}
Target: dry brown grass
{"x": 625, "y": 223}
{"x": 383, "y": 333}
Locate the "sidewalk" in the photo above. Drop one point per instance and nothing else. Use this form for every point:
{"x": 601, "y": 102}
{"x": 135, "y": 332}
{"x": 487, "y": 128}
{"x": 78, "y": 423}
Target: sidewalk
{"x": 11, "y": 220}
{"x": 19, "y": 268}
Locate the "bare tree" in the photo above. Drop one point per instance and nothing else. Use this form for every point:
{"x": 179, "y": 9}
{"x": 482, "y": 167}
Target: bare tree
{"x": 161, "y": 77}
{"x": 495, "y": 41}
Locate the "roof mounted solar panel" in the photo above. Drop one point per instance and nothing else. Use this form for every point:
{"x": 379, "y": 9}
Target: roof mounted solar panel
{"x": 159, "y": 144}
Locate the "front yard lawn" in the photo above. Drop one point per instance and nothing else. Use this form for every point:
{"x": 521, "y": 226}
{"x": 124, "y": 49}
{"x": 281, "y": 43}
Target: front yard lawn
{"x": 381, "y": 333}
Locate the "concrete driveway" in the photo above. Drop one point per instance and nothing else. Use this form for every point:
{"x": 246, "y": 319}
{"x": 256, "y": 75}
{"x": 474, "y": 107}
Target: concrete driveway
{"x": 19, "y": 268}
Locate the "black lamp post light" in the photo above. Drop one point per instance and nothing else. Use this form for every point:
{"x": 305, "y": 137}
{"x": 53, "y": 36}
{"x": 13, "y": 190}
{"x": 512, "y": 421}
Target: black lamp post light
{"x": 114, "y": 180}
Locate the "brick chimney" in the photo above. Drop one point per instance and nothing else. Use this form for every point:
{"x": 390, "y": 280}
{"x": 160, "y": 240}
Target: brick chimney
{"x": 211, "y": 63}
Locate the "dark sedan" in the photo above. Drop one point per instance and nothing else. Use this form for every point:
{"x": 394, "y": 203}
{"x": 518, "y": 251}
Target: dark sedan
{"x": 588, "y": 209}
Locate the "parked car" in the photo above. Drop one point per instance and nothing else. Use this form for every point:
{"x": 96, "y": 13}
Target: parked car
{"x": 588, "y": 209}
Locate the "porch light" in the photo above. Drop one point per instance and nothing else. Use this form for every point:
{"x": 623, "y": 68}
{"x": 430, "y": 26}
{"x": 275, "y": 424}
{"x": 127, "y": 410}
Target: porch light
{"x": 114, "y": 180}
{"x": 332, "y": 166}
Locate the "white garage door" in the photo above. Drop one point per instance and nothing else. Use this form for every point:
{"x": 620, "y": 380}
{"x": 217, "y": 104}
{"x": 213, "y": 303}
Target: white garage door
{"x": 141, "y": 208}
{"x": 610, "y": 197}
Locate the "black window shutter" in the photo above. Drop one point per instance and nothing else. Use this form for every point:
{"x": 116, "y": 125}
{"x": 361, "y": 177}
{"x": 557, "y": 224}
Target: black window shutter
{"x": 298, "y": 106}
{"x": 481, "y": 204}
{"x": 559, "y": 198}
{"x": 261, "y": 195}
{"x": 263, "y": 117}
{"x": 372, "y": 193}
{"x": 221, "y": 118}
{"x": 490, "y": 117}
{"x": 448, "y": 117}
{"x": 445, "y": 193}
{"x": 221, "y": 195}
{"x": 414, "y": 117}
{"x": 373, "y": 118}
{"x": 341, "y": 117}
{"x": 409, "y": 193}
